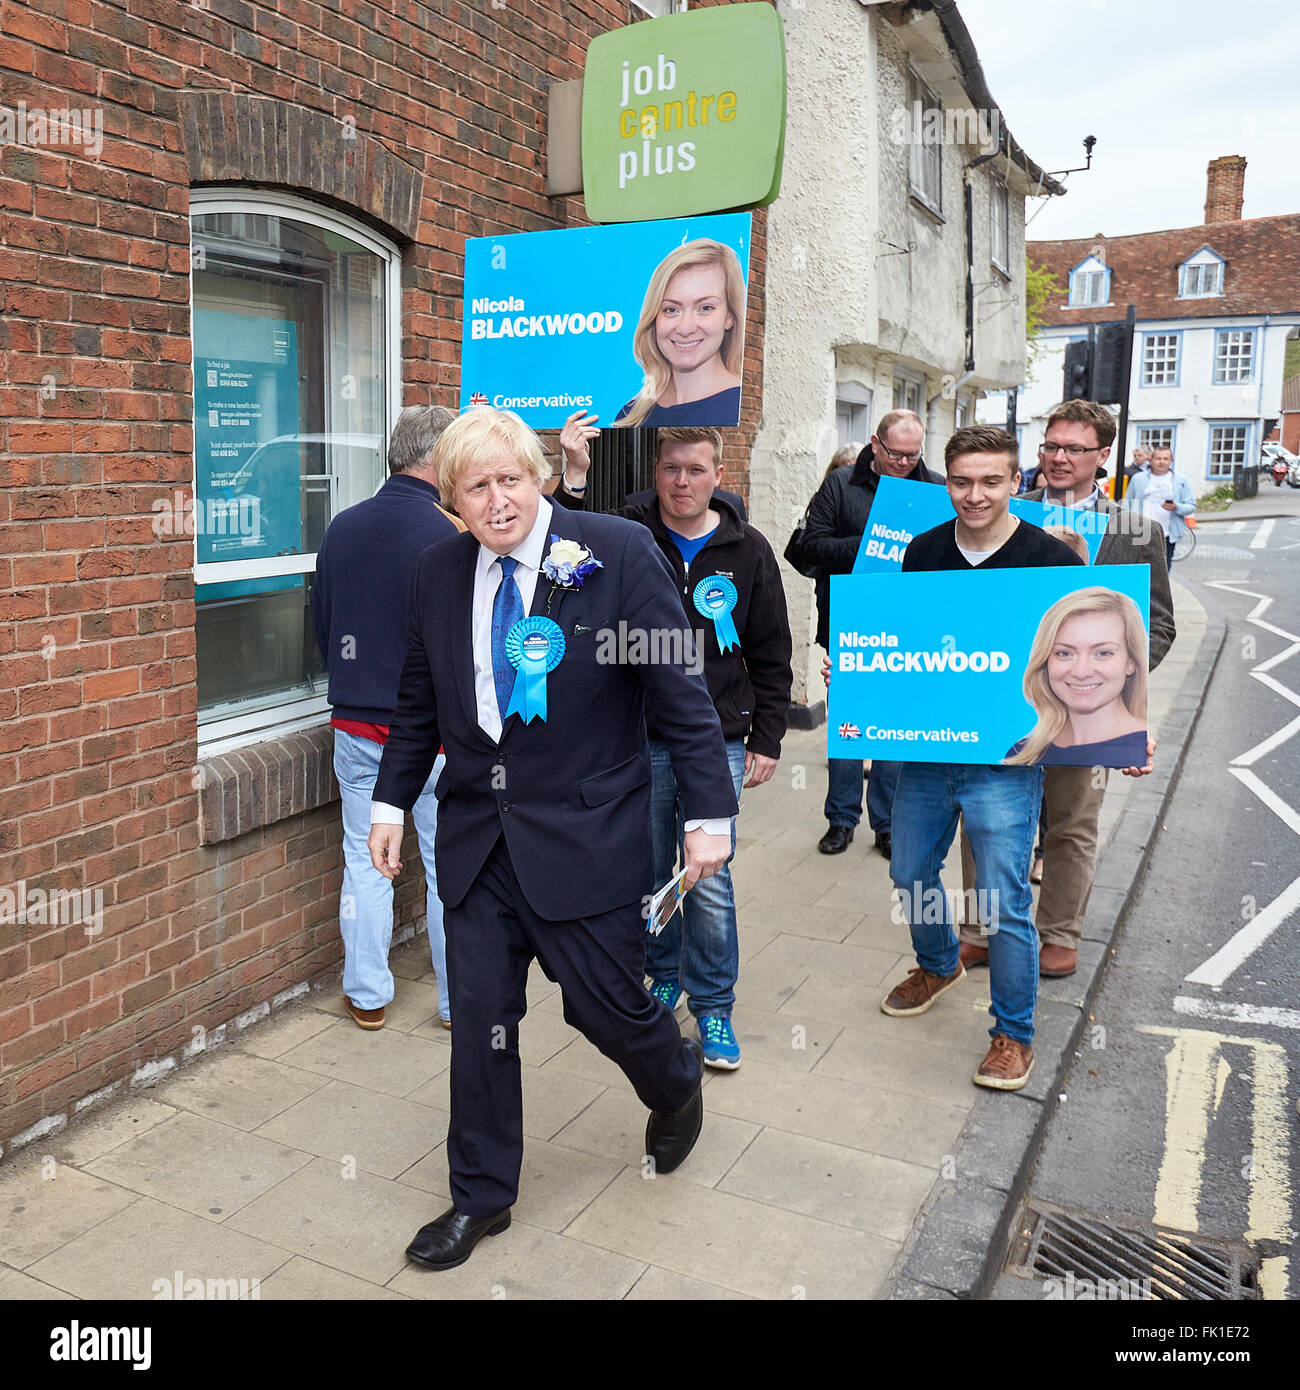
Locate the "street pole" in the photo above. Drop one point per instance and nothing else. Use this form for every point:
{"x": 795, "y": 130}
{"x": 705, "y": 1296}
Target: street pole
{"x": 1121, "y": 442}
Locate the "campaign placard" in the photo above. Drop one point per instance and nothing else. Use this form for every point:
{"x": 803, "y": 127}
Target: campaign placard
{"x": 642, "y": 324}
{"x": 1040, "y": 666}
{"x": 905, "y": 508}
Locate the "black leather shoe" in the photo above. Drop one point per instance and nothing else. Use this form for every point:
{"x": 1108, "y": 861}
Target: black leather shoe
{"x": 836, "y": 840}
{"x": 885, "y": 844}
{"x": 450, "y": 1240}
{"x": 669, "y": 1139}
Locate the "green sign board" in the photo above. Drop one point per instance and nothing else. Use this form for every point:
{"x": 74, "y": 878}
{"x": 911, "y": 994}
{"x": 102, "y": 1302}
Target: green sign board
{"x": 684, "y": 115}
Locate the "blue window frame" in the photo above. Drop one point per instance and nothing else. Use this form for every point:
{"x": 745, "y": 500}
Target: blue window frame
{"x": 1160, "y": 357}
{"x": 1157, "y": 434}
{"x": 1234, "y": 356}
{"x": 1230, "y": 442}
{"x": 1089, "y": 283}
{"x": 1201, "y": 276}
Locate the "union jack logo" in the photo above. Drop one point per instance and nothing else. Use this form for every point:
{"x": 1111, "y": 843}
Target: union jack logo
{"x": 850, "y": 731}
{"x": 478, "y": 398}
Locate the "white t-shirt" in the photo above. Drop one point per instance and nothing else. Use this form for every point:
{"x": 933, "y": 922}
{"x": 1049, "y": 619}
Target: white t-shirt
{"x": 975, "y": 557}
{"x": 1159, "y": 491}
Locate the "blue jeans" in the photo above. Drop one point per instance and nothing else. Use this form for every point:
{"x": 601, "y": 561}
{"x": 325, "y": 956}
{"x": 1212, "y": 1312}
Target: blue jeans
{"x": 698, "y": 949}
{"x": 366, "y": 904}
{"x": 1000, "y": 807}
{"x": 844, "y": 791}
{"x": 882, "y": 783}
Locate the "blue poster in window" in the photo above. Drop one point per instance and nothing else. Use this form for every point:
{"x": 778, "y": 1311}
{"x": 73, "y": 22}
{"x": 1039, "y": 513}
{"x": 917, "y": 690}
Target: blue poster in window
{"x": 990, "y": 666}
{"x": 905, "y": 508}
{"x": 641, "y": 323}
{"x": 247, "y": 489}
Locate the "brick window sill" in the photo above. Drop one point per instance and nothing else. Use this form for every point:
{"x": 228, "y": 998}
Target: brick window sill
{"x": 264, "y": 783}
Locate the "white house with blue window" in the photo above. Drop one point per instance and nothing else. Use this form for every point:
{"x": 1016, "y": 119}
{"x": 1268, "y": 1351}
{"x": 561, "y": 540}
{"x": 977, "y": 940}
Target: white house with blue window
{"x": 1216, "y": 304}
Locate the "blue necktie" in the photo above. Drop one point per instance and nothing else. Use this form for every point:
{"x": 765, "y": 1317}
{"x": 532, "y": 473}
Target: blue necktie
{"x": 507, "y": 609}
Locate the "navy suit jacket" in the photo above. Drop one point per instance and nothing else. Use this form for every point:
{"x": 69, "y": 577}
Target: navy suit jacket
{"x": 571, "y": 795}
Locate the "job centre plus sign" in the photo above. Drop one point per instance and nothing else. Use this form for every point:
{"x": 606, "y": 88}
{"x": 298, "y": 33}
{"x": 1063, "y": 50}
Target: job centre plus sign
{"x": 684, "y": 115}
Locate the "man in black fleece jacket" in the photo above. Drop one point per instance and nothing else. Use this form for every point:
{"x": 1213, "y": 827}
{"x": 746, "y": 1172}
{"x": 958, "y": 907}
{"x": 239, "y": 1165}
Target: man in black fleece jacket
{"x": 837, "y": 517}
{"x": 730, "y": 581}
{"x": 359, "y": 600}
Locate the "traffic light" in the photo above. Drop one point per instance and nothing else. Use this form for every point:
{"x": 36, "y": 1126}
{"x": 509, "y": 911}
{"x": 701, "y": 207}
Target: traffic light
{"x": 1078, "y": 370}
{"x": 1108, "y": 363}
{"x": 1094, "y": 368}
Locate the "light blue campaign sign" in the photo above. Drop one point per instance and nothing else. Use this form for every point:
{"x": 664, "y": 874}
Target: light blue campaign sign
{"x": 550, "y": 322}
{"x": 905, "y": 508}
{"x": 935, "y": 666}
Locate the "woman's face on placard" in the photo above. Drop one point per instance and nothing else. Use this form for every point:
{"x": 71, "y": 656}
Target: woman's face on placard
{"x": 693, "y": 317}
{"x": 1089, "y": 662}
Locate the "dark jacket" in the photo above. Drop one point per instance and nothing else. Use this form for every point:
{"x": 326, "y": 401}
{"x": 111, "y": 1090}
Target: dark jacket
{"x": 361, "y": 589}
{"x": 750, "y": 687}
{"x": 837, "y": 517}
{"x": 570, "y": 794}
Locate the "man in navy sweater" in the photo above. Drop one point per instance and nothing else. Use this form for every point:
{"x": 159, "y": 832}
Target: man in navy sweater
{"x": 359, "y": 602}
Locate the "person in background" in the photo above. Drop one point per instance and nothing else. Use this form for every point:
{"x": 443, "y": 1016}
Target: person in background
{"x": 837, "y": 517}
{"x": 843, "y": 456}
{"x": 1141, "y": 461}
{"x": 359, "y": 608}
{"x": 749, "y": 680}
{"x": 1164, "y": 496}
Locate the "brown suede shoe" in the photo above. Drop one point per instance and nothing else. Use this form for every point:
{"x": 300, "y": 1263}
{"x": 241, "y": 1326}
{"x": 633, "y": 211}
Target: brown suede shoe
{"x": 918, "y": 991}
{"x": 364, "y": 1018}
{"x": 1007, "y": 1064}
{"x": 972, "y": 955}
{"x": 1056, "y": 962}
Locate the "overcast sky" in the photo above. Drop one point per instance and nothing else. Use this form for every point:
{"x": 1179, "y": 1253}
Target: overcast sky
{"x": 1164, "y": 85}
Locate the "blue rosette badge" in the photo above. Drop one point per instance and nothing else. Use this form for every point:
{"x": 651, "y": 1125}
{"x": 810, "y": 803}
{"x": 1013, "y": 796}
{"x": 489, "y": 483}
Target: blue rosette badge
{"x": 534, "y": 647}
{"x": 715, "y": 597}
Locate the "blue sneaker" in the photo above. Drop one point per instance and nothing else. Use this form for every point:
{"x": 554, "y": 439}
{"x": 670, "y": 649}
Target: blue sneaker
{"x": 721, "y": 1049}
{"x": 666, "y": 993}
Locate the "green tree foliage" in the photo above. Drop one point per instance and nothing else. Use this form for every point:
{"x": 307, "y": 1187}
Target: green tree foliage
{"x": 1040, "y": 285}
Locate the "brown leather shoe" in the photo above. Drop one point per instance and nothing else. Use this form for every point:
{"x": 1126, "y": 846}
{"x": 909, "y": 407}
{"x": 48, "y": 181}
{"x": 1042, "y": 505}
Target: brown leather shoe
{"x": 364, "y": 1018}
{"x": 918, "y": 992}
{"x": 1006, "y": 1065}
{"x": 972, "y": 955}
{"x": 1056, "y": 962}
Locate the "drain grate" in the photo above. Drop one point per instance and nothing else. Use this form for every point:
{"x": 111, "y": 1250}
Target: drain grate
{"x": 1085, "y": 1252}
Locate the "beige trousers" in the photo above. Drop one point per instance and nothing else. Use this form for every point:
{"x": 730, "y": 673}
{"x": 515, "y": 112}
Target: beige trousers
{"x": 1069, "y": 856}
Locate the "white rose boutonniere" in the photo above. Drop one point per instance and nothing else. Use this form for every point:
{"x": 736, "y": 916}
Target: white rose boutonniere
{"x": 568, "y": 564}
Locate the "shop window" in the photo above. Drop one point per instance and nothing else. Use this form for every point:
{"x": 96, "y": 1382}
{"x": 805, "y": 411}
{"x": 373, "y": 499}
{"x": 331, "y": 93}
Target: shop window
{"x": 295, "y": 350}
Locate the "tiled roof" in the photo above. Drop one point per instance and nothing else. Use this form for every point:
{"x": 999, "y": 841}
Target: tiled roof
{"x": 1262, "y": 274}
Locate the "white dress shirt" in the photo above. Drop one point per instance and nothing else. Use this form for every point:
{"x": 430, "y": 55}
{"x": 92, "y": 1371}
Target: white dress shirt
{"x": 1055, "y": 499}
{"x": 487, "y": 580}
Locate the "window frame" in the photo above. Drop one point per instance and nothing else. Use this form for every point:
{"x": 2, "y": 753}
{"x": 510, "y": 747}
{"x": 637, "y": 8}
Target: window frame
{"x": 1248, "y": 426}
{"x": 999, "y": 194}
{"x": 1139, "y": 426}
{"x": 1087, "y": 267}
{"x": 1177, "y": 335}
{"x": 226, "y": 732}
{"x": 674, "y": 7}
{"x": 909, "y": 379}
{"x": 1220, "y": 334}
{"x": 1200, "y": 261}
{"x": 918, "y": 90}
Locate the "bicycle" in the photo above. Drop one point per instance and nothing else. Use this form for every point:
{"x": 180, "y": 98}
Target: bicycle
{"x": 1186, "y": 543}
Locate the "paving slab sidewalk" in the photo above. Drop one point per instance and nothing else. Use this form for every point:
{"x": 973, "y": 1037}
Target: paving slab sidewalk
{"x": 303, "y": 1157}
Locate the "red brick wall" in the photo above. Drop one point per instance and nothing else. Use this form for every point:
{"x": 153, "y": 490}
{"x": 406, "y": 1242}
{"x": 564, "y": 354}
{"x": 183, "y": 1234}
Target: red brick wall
{"x": 97, "y": 647}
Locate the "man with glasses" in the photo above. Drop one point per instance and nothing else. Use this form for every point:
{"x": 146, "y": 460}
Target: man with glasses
{"x": 837, "y": 517}
{"x": 1078, "y": 438}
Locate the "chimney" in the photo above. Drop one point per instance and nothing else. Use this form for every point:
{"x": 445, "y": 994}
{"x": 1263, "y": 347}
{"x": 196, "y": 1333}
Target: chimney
{"x": 1225, "y": 188}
